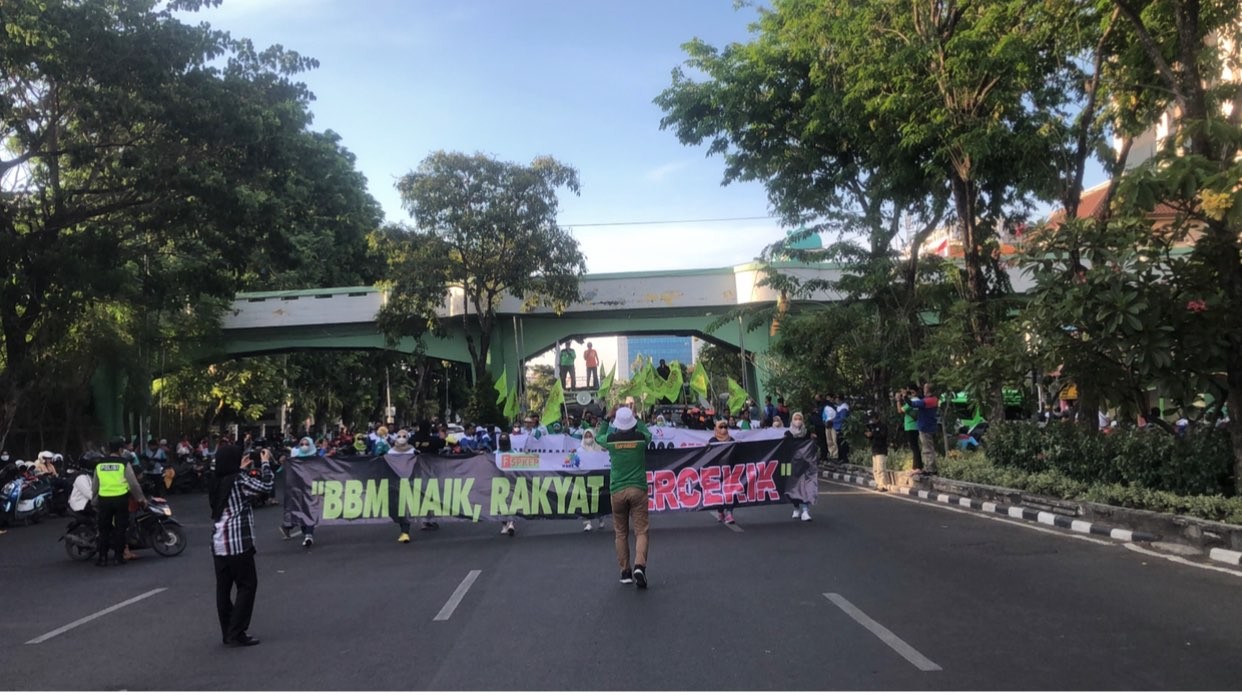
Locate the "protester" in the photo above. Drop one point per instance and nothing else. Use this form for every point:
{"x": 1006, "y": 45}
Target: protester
{"x": 592, "y": 366}
{"x": 626, "y": 441}
{"x": 589, "y": 444}
{"x": 798, "y": 430}
{"x": 720, "y": 435}
{"x": 911, "y": 425}
{"x": 828, "y": 414}
{"x": 838, "y": 426}
{"x": 232, "y": 542}
{"x": 928, "y": 422}
{"x": 567, "y": 367}
{"x": 305, "y": 449}
{"x": 877, "y": 434}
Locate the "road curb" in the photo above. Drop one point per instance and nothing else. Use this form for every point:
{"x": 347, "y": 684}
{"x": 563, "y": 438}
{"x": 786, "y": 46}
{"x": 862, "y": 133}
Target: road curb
{"x": 1228, "y": 557}
{"x": 1016, "y": 512}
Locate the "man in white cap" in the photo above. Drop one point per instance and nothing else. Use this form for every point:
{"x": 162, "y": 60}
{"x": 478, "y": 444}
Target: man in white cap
{"x": 626, "y": 441}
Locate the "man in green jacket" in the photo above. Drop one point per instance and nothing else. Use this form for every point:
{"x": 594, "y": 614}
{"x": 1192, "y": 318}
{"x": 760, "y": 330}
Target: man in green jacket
{"x": 626, "y": 441}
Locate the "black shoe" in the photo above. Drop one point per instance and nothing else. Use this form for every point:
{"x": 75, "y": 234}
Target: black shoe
{"x": 101, "y": 560}
{"x": 627, "y": 577}
{"x": 243, "y": 641}
{"x": 640, "y": 576}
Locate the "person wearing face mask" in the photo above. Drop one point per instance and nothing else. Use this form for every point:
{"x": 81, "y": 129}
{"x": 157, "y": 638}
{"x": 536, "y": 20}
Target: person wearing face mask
{"x": 304, "y": 449}
{"x": 798, "y": 430}
{"x": 404, "y": 447}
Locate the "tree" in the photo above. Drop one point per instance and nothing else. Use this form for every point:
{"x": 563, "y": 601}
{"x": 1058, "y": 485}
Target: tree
{"x": 1186, "y": 46}
{"x": 488, "y": 227}
{"x": 140, "y": 178}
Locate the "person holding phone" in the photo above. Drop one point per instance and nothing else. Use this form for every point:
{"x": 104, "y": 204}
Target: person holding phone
{"x": 232, "y": 541}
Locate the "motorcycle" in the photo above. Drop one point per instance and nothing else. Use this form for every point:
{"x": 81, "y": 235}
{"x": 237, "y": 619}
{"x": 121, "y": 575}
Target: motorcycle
{"x": 21, "y": 500}
{"x": 151, "y": 527}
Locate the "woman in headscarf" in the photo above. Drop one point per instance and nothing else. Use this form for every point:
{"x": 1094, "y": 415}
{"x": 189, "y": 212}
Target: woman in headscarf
{"x": 802, "y": 510}
{"x": 305, "y": 449}
{"x": 589, "y": 444}
{"x": 232, "y": 540}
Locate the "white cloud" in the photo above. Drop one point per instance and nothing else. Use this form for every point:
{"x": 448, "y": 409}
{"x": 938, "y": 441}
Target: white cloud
{"x": 660, "y": 173}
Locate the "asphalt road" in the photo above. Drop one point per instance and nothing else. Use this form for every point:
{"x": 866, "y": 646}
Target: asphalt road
{"x": 919, "y": 597}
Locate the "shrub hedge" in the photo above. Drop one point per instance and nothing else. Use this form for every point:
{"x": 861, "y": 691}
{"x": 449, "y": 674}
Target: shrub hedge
{"x": 1198, "y": 463}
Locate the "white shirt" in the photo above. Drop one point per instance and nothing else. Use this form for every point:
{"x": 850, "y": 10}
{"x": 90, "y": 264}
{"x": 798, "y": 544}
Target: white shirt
{"x": 82, "y": 493}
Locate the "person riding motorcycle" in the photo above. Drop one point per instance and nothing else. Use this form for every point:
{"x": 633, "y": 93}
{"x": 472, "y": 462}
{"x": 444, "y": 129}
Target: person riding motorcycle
{"x": 83, "y": 486}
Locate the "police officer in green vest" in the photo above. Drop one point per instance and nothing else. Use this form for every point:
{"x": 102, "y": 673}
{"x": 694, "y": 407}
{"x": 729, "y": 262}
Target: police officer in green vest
{"x": 114, "y": 484}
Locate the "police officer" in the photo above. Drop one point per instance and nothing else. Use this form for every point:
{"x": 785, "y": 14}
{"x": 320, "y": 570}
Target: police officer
{"x": 114, "y": 484}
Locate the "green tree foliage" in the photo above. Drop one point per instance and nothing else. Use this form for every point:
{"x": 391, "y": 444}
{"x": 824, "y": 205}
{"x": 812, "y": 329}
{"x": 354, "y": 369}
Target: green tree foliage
{"x": 1187, "y": 45}
{"x": 485, "y": 226}
{"x": 149, "y": 170}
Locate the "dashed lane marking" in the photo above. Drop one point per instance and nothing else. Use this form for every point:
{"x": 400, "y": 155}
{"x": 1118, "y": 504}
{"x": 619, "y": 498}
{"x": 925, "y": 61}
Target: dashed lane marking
{"x": 886, "y": 636}
{"x": 78, "y": 623}
{"x": 447, "y": 611}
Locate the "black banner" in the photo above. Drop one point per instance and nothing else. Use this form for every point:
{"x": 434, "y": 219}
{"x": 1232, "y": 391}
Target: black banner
{"x": 330, "y": 490}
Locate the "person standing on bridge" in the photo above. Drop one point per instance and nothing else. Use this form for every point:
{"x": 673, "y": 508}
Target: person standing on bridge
{"x": 568, "y": 357}
{"x": 626, "y": 441}
{"x": 592, "y": 365}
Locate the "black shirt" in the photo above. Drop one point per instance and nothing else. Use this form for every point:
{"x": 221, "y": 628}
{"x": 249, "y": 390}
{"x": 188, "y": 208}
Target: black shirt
{"x": 877, "y": 432}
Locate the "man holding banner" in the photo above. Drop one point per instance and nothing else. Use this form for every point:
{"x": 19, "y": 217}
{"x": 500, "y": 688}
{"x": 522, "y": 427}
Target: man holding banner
{"x": 626, "y": 441}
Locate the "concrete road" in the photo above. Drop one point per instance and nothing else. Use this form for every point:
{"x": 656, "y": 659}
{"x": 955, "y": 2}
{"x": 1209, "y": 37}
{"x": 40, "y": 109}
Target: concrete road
{"x": 875, "y": 593}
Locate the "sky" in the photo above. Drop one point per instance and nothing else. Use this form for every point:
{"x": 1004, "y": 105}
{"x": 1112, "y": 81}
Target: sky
{"x": 574, "y": 79}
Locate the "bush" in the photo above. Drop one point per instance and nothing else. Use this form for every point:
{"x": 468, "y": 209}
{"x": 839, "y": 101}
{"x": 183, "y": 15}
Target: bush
{"x": 1199, "y": 463}
{"x": 975, "y": 468}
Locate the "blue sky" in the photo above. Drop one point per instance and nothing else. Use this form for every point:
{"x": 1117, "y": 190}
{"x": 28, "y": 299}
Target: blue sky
{"x": 399, "y": 79}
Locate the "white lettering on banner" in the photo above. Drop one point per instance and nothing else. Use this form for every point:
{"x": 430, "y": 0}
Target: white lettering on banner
{"x": 562, "y": 452}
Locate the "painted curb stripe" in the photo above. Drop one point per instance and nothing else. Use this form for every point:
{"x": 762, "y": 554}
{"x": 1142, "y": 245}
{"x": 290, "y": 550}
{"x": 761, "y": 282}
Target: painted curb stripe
{"x": 1078, "y": 525}
{"x": 1232, "y": 557}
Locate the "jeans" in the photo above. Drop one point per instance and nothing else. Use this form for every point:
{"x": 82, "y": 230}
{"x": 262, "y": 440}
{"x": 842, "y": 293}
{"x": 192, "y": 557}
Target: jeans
{"x": 568, "y": 370}
{"x": 239, "y": 571}
{"x": 628, "y": 503}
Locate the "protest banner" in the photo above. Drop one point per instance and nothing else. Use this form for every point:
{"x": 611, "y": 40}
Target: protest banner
{"x": 475, "y": 487}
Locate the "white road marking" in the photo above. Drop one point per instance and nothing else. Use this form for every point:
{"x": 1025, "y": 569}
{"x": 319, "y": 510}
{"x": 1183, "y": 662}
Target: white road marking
{"x": 963, "y": 502}
{"x": 1222, "y": 555}
{"x": 77, "y": 623}
{"x": 1015, "y": 512}
{"x": 447, "y": 611}
{"x": 1080, "y": 526}
{"x": 1121, "y": 535}
{"x": 886, "y": 636}
{"x": 989, "y": 507}
{"x": 1180, "y": 560}
{"x": 1046, "y": 518}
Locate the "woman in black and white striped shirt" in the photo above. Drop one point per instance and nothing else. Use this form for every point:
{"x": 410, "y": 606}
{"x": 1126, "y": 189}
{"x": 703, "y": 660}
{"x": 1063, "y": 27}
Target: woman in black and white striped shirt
{"x": 232, "y": 541}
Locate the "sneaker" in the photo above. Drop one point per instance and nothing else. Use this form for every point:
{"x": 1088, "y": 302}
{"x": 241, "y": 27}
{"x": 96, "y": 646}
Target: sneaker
{"x": 586, "y": 526}
{"x": 403, "y": 538}
{"x": 719, "y": 516}
{"x": 640, "y": 576}
{"x": 728, "y": 517}
{"x": 509, "y": 529}
{"x": 284, "y": 533}
{"x": 308, "y": 541}
{"x": 795, "y": 514}
{"x": 627, "y": 577}
{"x": 430, "y": 526}
{"x": 806, "y": 515}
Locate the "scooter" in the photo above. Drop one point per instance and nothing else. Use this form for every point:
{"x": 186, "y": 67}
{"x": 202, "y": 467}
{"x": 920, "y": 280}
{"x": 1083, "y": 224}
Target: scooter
{"x": 19, "y": 501}
{"x": 152, "y": 527}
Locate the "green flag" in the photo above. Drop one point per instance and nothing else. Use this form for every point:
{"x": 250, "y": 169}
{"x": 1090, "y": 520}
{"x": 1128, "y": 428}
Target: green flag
{"x": 673, "y": 384}
{"x": 606, "y": 387}
{"x": 698, "y": 380}
{"x": 512, "y": 406}
{"x": 552, "y": 408}
{"x": 501, "y": 386}
{"x": 737, "y": 396}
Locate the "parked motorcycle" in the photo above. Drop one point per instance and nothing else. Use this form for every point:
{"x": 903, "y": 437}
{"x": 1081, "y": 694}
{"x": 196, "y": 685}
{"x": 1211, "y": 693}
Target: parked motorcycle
{"x": 152, "y": 527}
{"x": 20, "y": 499}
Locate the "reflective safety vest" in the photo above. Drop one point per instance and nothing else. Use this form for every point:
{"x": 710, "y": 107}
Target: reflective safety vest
{"x": 112, "y": 482}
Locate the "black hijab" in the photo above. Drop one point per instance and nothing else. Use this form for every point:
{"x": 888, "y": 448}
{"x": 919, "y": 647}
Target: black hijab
{"x": 228, "y": 466}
